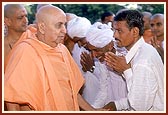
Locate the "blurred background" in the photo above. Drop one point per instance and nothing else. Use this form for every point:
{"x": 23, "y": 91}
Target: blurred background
{"x": 93, "y": 11}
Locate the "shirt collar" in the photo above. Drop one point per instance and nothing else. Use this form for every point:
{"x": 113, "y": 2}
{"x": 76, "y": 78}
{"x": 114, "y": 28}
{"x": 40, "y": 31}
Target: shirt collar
{"x": 131, "y": 53}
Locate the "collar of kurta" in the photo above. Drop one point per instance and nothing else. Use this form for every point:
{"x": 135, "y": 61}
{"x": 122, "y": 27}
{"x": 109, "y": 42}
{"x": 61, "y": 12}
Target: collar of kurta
{"x": 131, "y": 53}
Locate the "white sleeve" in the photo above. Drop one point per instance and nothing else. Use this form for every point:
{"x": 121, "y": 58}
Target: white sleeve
{"x": 91, "y": 87}
{"x": 102, "y": 94}
{"x": 122, "y": 104}
{"x": 142, "y": 86}
{"x": 127, "y": 74}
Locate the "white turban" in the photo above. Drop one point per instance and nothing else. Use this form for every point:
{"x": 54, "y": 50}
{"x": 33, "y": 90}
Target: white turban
{"x": 101, "y": 26}
{"x": 78, "y": 27}
{"x": 70, "y": 16}
{"x": 99, "y": 37}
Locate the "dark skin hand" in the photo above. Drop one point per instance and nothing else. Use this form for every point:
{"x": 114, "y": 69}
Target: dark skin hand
{"x": 111, "y": 106}
{"x": 86, "y": 61}
{"x": 117, "y": 63}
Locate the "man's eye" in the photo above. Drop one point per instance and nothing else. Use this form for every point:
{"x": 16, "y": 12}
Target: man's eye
{"x": 159, "y": 24}
{"x": 58, "y": 25}
{"x": 19, "y": 17}
{"x": 152, "y": 25}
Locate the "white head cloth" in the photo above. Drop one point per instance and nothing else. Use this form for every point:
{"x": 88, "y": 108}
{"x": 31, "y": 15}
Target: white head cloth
{"x": 101, "y": 26}
{"x": 78, "y": 27}
{"x": 70, "y": 16}
{"x": 100, "y": 35}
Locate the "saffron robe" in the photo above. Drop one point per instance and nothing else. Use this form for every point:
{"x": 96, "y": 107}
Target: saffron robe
{"x": 45, "y": 78}
{"x": 30, "y": 32}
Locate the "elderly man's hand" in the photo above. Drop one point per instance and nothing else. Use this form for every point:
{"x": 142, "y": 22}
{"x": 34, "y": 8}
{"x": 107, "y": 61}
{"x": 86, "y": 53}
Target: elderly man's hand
{"x": 86, "y": 62}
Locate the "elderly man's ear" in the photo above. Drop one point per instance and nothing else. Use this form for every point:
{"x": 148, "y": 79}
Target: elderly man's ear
{"x": 41, "y": 27}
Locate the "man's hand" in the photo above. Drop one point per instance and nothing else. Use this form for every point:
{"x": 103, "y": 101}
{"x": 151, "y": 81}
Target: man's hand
{"x": 117, "y": 63}
{"x": 86, "y": 62}
{"x": 110, "y": 106}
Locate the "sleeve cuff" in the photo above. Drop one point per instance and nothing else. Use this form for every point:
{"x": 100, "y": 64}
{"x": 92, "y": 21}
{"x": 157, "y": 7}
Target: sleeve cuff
{"x": 122, "y": 104}
{"x": 127, "y": 73}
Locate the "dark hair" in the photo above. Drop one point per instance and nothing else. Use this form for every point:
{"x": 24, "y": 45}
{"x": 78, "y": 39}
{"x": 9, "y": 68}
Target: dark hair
{"x": 106, "y": 14}
{"x": 134, "y": 18}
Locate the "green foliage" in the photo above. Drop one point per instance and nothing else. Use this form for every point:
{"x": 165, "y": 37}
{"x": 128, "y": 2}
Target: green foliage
{"x": 153, "y": 8}
{"x": 93, "y": 11}
{"x": 31, "y": 9}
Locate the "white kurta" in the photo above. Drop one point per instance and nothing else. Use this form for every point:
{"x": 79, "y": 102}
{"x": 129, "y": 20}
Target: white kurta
{"x": 145, "y": 79}
{"x": 111, "y": 86}
{"x": 76, "y": 53}
{"x": 91, "y": 86}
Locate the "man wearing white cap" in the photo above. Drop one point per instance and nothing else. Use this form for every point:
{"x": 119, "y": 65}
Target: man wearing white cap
{"x": 111, "y": 86}
{"x": 76, "y": 30}
{"x": 68, "y": 42}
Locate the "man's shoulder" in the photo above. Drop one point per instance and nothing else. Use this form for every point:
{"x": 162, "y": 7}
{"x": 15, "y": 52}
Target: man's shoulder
{"x": 24, "y": 47}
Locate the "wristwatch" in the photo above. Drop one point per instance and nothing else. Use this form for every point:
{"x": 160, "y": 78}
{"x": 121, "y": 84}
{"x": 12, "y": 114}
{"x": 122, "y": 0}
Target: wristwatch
{"x": 92, "y": 69}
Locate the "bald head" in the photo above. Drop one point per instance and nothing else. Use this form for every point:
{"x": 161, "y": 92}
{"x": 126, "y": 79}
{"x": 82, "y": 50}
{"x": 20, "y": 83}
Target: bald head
{"x": 48, "y": 11}
{"x": 158, "y": 15}
{"x": 10, "y": 9}
{"x": 147, "y": 14}
{"x": 15, "y": 18}
{"x": 157, "y": 25}
{"x": 51, "y": 25}
{"x": 146, "y": 19}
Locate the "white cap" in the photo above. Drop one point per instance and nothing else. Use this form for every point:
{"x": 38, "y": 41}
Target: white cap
{"x": 99, "y": 35}
{"x": 78, "y": 27}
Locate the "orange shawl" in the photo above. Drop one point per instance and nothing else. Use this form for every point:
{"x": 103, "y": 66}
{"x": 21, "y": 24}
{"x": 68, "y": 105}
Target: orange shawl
{"x": 29, "y": 33}
{"x": 30, "y": 75}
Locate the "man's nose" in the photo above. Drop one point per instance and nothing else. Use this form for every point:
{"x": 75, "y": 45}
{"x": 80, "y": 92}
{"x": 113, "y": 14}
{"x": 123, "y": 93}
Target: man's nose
{"x": 25, "y": 19}
{"x": 63, "y": 29}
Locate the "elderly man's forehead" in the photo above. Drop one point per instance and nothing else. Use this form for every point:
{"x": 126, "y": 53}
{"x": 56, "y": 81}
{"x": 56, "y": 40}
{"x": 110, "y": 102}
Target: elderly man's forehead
{"x": 49, "y": 9}
{"x": 48, "y": 12}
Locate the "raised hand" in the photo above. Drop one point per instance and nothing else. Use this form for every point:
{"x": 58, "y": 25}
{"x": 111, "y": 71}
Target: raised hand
{"x": 86, "y": 62}
{"x": 117, "y": 63}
